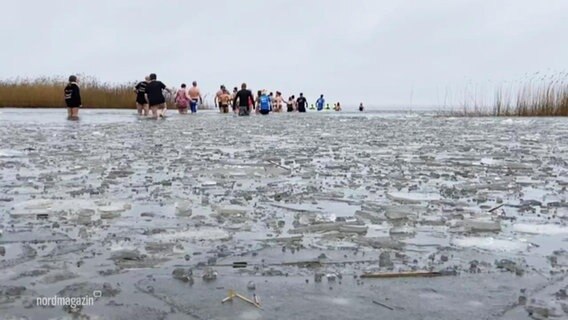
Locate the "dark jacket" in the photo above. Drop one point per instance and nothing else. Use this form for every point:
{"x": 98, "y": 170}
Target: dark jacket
{"x": 73, "y": 95}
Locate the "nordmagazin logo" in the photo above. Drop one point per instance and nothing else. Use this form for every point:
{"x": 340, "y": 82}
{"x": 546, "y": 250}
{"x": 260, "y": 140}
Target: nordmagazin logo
{"x": 75, "y": 303}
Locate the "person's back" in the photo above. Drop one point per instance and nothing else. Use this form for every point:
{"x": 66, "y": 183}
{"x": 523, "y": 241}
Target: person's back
{"x": 194, "y": 93}
{"x": 224, "y": 100}
{"x": 302, "y": 103}
{"x": 154, "y": 92}
{"x": 72, "y": 95}
{"x": 264, "y": 103}
{"x": 244, "y": 96}
{"x": 320, "y": 103}
{"x": 181, "y": 100}
{"x": 140, "y": 91}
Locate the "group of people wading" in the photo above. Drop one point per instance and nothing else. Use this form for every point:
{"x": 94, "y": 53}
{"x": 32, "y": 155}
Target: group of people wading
{"x": 150, "y": 98}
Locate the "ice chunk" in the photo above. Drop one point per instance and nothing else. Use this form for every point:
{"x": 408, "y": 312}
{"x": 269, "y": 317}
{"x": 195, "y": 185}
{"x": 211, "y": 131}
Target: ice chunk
{"x": 482, "y": 225}
{"x": 550, "y": 229}
{"x": 405, "y": 197}
{"x": 490, "y": 244}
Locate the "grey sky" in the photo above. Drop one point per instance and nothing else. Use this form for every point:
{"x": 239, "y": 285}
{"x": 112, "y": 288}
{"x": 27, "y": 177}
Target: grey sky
{"x": 379, "y": 52}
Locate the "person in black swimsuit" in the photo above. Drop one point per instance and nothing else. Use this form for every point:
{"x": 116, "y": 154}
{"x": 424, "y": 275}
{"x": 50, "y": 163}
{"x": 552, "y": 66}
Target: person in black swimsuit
{"x": 73, "y": 98}
{"x": 234, "y": 106}
{"x": 141, "y": 103}
{"x": 155, "y": 96}
{"x": 302, "y": 103}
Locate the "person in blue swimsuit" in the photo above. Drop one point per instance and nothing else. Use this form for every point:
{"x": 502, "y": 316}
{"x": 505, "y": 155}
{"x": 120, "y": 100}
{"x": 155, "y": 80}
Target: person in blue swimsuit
{"x": 265, "y": 103}
{"x": 320, "y": 103}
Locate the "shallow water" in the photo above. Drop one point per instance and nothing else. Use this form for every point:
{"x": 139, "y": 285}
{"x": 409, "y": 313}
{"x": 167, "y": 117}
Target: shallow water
{"x": 214, "y": 189}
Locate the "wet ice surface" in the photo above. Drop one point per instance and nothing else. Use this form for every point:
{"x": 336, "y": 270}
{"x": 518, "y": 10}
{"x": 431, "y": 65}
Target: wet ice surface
{"x": 154, "y": 213}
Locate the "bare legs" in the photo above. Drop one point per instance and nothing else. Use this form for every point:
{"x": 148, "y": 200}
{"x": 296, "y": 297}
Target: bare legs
{"x": 158, "y": 110}
{"x": 73, "y": 113}
{"x": 143, "y": 109}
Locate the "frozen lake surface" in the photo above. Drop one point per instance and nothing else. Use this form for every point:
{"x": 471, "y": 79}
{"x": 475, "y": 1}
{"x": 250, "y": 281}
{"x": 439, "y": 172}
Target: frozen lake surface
{"x": 146, "y": 213}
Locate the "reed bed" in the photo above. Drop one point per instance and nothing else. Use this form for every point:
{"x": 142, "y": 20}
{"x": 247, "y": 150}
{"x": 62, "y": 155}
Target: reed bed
{"x": 540, "y": 96}
{"x": 47, "y": 92}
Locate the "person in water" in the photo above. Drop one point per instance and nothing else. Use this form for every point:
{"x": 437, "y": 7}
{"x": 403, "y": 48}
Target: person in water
{"x": 290, "y": 104}
{"x": 265, "y": 105}
{"x": 320, "y": 103}
{"x": 224, "y": 100}
{"x": 273, "y": 103}
{"x": 235, "y": 90}
{"x": 194, "y": 97}
{"x": 218, "y": 97}
{"x": 361, "y": 108}
{"x": 302, "y": 103}
{"x": 182, "y": 99}
{"x": 244, "y": 98}
{"x": 257, "y": 101}
{"x": 73, "y": 98}
{"x": 155, "y": 96}
{"x": 141, "y": 103}
{"x": 337, "y": 107}
{"x": 278, "y": 101}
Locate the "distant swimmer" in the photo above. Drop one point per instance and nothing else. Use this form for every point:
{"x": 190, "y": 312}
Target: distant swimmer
{"x": 302, "y": 103}
{"x": 224, "y": 101}
{"x": 141, "y": 103}
{"x": 182, "y": 99}
{"x": 218, "y": 97}
{"x": 235, "y": 90}
{"x": 320, "y": 103}
{"x": 73, "y": 98}
{"x": 265, "y": 105}
{"x": 244, "y": 98}
{"x": 361, "y": 108}
{"x": 290, "y": 104}
{"x": 257, "y": 101}
{"x": 337, "y": 107}
{"x": 327, "y": 107}
{"x": 294, "y": 106}
{"x": 194, "y": 97}
{"x": 312, "y": 107}
{"x": 278, "y": 101}
{"x": 155, "y": 96}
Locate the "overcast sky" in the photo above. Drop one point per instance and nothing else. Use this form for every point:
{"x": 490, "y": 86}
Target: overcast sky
{"x": 381, "y": 52}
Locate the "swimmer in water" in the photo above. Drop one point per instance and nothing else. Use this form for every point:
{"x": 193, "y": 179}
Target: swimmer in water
{"x": 320, "y": 103}
{"x": 278, "y": 101}
{"x": 155, "y": 96}
{"x": 302, "y": 103}
{"x": 337, "y": 107}
{"x": 218, "y": 96}
{"x": 73, "y": 98}
{"x": 265, "y": 105}
{"x": 224, "y": 100}
{"x": 244, "y": 98}
{"x": 141, "y": 103}
{"x": 194, "y": 97}
{"x": 182, "y": 99}
{"x": 361, "y": 108}
{"x": 257, "y": 101}
{"x": 235, "y": 90}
